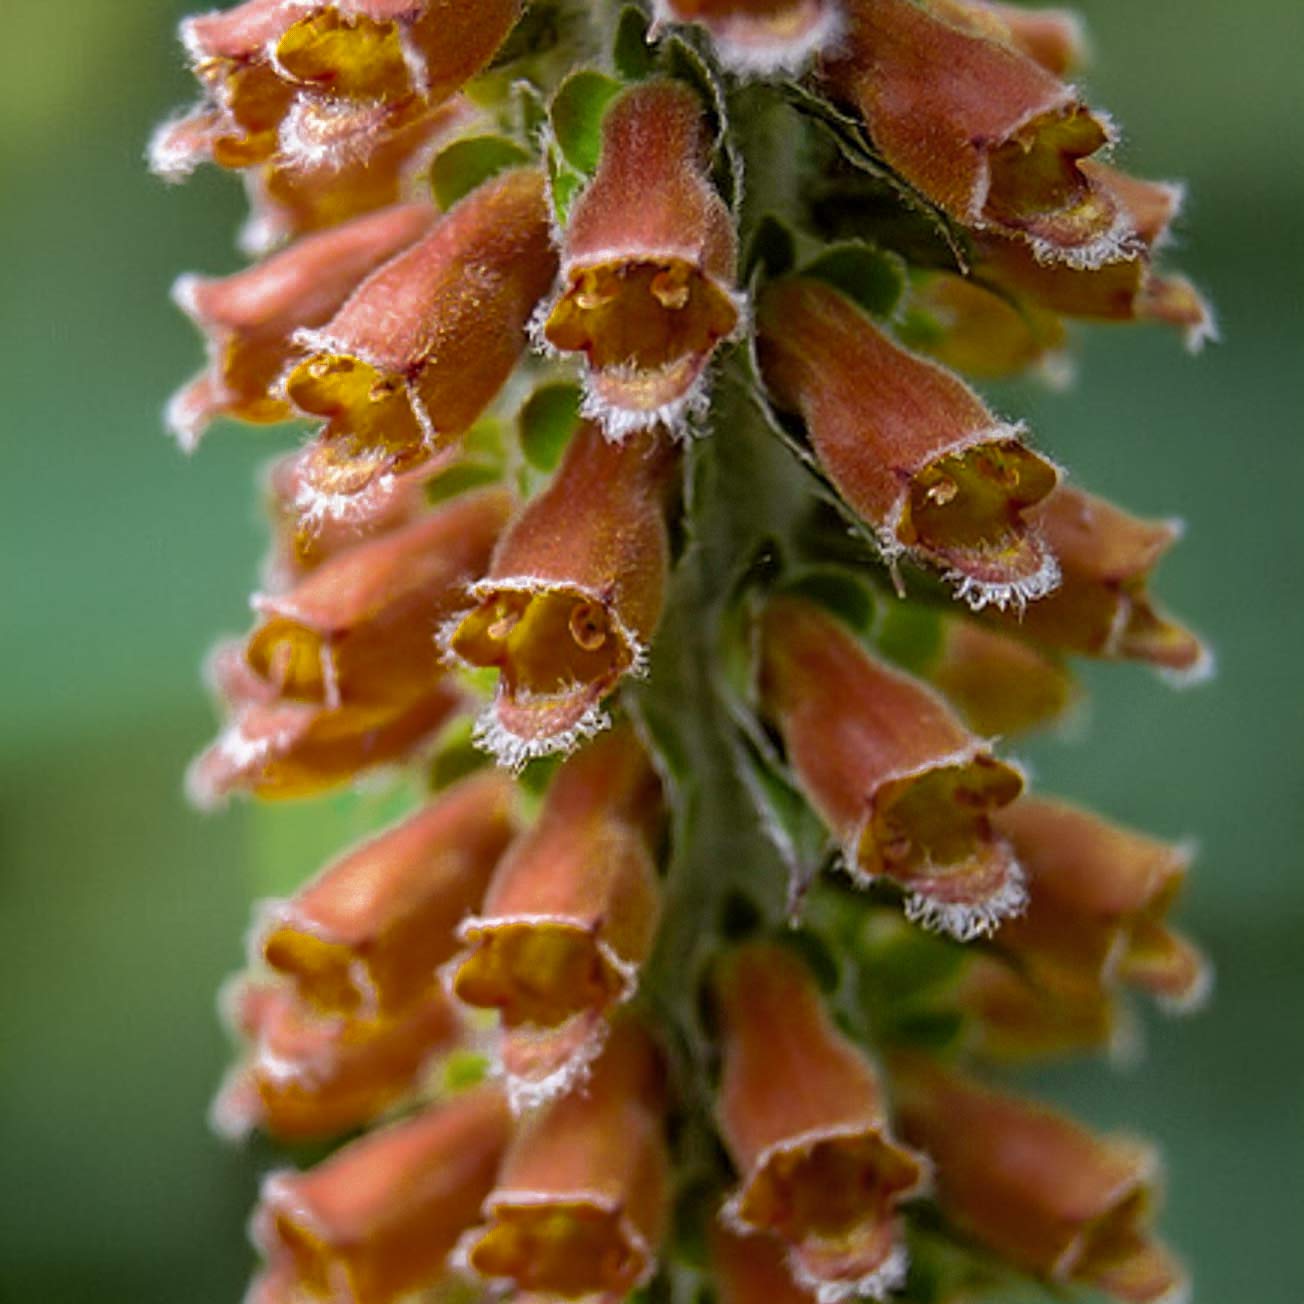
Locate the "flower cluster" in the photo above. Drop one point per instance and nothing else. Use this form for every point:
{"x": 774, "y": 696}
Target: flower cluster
{"x": 647, "y": 524}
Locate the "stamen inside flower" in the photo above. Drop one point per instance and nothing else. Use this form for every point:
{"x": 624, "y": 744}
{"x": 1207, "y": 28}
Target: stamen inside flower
{"x": 966, "y": 509}
{"x": 545, "y": 642}
{"x": 653, "y": 321}
{"x": 567, "y": 1248}
{"x": 351, "y": 56}
{"x": 537, "y": 972}
{"x": 325, "y": 972}
{"x": 372, "y": 408}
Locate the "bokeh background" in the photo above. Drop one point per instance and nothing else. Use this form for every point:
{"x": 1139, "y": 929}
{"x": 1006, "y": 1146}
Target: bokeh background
{"x": 120, "y": 909}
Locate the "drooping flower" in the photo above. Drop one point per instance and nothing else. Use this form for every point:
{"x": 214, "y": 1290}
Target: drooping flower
{"x": 761, "y": 37}
{"x": 580, "y": 1206}
{"x": 569, "y": 918}
{"x": 982, "y": 129}
{"x": 309, "y": 1076}
{"x": 1098, "y": 897}
{"x": 907, "y": 791}
{"x": 911, "y": 448}
{"x": 801, "y": 1110}
{"x": 1037, "y": 1188}
{"x": 360, "y": 630}
{"x": 1053, "y": 38}
{"x": 378, "y": 1218}
{"x": 248, "y": 319}
{"x": 748, "y": 1269}
{"x": 573, "y": 595}
{"x": 424, "y": 344}
{"x": 368, "y": 934}
{"x": 647, "y": 265}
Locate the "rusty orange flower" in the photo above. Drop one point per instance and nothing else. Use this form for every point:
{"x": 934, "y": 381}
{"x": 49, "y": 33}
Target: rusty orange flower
{"x": 573, "y": 595}
{"x": 424, "y": 344}
{"x": 761, "y": 36}
{"x": 982, "y": 129}
{"x": 248, "y": 319}
{"x": 582, "y": 1200}
{"x": 1037, "y": 1188}
{"x": 911, "y": 448}
{"x": 378, "y": 1218}
{"x": 569, "y": 918}
{"x": 647, "y": 266}
{"x": 749, "y": 1269}
{"x": 802, "y": 1113}
{"x": 368, "y": 934}
{"x": 908, "y": 792}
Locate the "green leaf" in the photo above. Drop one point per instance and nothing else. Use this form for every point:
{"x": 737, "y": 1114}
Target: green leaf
{"x": 462, "y": 478}
{"x": 577, "y": 112}
{"x": 909, "y": 634}
{"x": 772, "y": 250}
{"x": 631, "y": 51}
{"x": 837, "y": 591}
{"x": 871, "y": 277}
{"x": 546, "y": 423}
{"x": 456, "y": 757}
{"x": 466, "y": 164}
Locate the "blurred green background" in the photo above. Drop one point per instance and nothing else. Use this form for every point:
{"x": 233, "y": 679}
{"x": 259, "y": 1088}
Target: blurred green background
{"x": 120, "y": 909}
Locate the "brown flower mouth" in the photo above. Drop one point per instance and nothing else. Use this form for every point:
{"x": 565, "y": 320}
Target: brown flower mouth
{"x": 646, "y": 325}
{"x": 966, "y": 511}
{"x": 538, "y": 971}
{"x": 370, "y": 409}
{"x": 249, "y": 369}
{"x": 297, "y": 661}
{"x": 836, "y": 1192}
{"x": 353, "y": 56}
{"x": 316, "y": 1265}
{"x": 545, "y": 641}
{"x": 255, "y": 101}
{"x": 327, "y": 971}
{"x": 1125, "y": 1263}
{"x": 1144, "y": 633}
{"x": 570, "y": 1248}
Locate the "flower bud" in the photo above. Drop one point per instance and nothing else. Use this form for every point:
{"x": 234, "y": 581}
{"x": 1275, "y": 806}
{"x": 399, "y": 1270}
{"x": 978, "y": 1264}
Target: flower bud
{"x": 1103, "y": 607}
{"x": 760, "y": 37}
{"x": 984, "y": 131}
{"x": 573, "y": 596}
{"x": 906, "y": 789}
{"x": 378, "y": 1218}
{"x": 569, "y": 918}
{"x": 648, "y": 265}
{"x": 802, "y": 1114}
{"x": 750, "y": 1269}
{"x": 281, "y": 750}
{"x": 368, "y": 934}
{"x": 319, "y": 1077}
{"x": 1098, "y": 894}
{"x": 249, "y": 318}
{"x": 910, "y": 447}
{"x": 360, "y": 630}
{"x": 581, "y": 1203}
{"x": 425, "y": 343}
{"x": 1036, "y": 1187}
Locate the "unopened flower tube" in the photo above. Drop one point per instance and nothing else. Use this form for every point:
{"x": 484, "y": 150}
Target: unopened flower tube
{"x": 580, "y": 1206}
{"x": 802, "y": 1112}
{"x": 983, "y": 130}
{"x": 378, "y": 1218}
{"x": 909, "y": 446}
{"x": 573, "y": 595}
{"x": 908, "y": 791}
{"x": 370, "y": 932}
{"x": 647, "y": 265}
{"x": 569, "y": 918}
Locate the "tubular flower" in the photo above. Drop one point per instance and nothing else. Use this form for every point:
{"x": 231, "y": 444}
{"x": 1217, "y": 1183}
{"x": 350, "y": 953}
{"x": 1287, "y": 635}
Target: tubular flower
{"x": 360, "y": 630}
{"x": 802, "y": 1113}
{"x": 906, "y": 789}
{"x": 761, "y": 36}
{"x": 911, "y": 448}
{"x": 983, "y": 130}
{"x": 307, "y": 1076}
{"x": 1036, "y": 1188}
{"x": 323, "y": 82}
{"x": 367, "y": 936}
{"x": 425, "y": 343}
{"x": 749, "y": 1269}
{"x": 248, "y": 319}
{"x": 647, "y": 265}
{"x": 1103, "y": 607}
{"x": 1098, "y": 897}
{"x": 580, "y": 1205}
{"x": 998, "y": 684}
{"x": 378, "y": 1218}
{"x": 1053, "y": 38}
{"x": 573, "y": 596}
{"x": 569, "y": 918}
